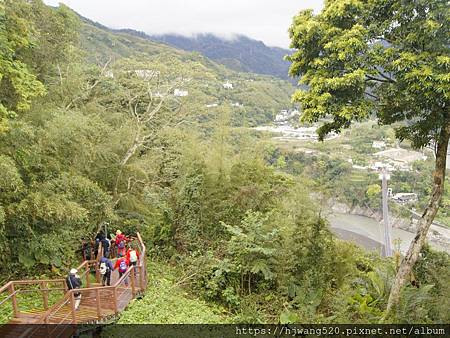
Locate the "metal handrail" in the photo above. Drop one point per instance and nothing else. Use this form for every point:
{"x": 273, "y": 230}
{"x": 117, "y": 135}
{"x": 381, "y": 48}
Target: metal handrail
{"x": 7, "y": 298}
{"x": 68, "y": 313}
{"x": 47, "y": 313}
{"x": 59, "y": 308}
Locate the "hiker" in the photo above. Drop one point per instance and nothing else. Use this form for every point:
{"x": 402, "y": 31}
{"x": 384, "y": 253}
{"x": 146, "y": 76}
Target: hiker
{"x": 122, "y": 265}
{"x": 105, "y": 245}
{"x": 132, "y": 257}
{"x": 120, "y": 243}
{"x": 73, "y": 281}
{"x": 98, "y": 238}
{"x": 86, "y": 250}
{"x": 106, "y": 268}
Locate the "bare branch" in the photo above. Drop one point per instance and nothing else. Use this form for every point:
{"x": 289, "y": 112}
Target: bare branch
{"x": 372, "y": 78}
{"x": 90, "y": 88}
{"x": 372, "y": 96}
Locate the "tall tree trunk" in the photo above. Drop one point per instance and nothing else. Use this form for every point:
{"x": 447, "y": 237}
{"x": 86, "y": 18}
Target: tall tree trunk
{"x": 137, "y": 143}
{"x": 425, "y": 221}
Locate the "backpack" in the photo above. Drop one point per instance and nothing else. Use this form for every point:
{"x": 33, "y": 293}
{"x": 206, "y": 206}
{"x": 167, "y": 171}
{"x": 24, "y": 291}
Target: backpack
{"x": 103, "y": 268}
{"x": 133, "y": 256}
{"x": 123, "y": 266}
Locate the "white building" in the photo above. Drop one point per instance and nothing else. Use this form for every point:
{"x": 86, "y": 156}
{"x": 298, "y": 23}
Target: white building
{"x": 282, "y": 116}
{"x": 237, "y": 104}
{"x": 378, "y": 144}
{"x": 146, "y": 74}
{"x": 180, "y": 93}
{"x": 285, "y": 115}
{"x": 211, "y": 105}
{"x": 228, "y": 85}
{"x": 405, "y": 197}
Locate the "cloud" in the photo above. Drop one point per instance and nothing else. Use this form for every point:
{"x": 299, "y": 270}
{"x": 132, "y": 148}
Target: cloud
{"x": 266, "y": 20}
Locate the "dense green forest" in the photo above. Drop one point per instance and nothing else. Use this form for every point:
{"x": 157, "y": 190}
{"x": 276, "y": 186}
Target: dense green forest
{"x": 91, "y": 131}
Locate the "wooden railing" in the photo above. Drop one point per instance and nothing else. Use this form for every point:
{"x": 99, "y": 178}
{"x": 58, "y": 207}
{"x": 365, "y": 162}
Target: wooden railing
{"x": 18, "y": 291}
{"x": 98, "y": 303}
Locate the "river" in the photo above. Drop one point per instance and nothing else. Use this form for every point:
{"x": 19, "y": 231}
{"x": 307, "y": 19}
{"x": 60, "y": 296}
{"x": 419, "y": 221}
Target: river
{"x": 362, "y": 230}
{"x": 368, "y": 233}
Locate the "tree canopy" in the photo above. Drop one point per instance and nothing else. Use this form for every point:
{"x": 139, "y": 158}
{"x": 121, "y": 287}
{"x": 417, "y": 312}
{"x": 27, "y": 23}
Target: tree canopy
{"x": 18, "y": 85}
{"x": 384, "y": 58}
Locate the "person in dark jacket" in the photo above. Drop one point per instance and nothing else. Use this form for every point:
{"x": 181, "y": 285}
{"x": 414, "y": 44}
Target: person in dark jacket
{"x": 86, "y": 250}
{"x": 106, "y": 268}
{"x": 98, "y": 238}
{"x": 105, "y": 246}
{"x": 73, "y": 281}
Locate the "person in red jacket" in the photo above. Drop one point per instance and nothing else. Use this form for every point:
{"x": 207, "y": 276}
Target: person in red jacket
{"x": 122, "y": 265}
{"x": 120, "y": 243}
{"x": 132, "y": 257}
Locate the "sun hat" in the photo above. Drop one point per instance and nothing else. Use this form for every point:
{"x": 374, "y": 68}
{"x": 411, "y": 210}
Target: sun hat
{"x": 73, "y": 271}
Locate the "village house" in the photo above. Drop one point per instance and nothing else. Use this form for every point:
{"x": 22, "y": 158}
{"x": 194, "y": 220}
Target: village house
{"x": 285, "y": 115}
{"x": 378, "y": 144}
{"x": 146, "y": 74}
{"x": 228, "y": 85}
{"x": 180, "y": 93}
{"x": 405, "y": 197}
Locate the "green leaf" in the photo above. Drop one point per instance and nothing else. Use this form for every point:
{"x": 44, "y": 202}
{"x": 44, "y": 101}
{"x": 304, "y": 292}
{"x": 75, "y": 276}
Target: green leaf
{"x": 288, "y": 317}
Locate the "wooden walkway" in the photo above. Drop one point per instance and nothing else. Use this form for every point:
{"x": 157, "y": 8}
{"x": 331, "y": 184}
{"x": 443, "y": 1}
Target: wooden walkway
{"x": 99, "y": 304}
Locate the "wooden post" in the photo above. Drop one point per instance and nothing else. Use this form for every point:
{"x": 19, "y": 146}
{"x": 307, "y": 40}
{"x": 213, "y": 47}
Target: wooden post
{"x": 133, "y": 288}
{"x": 72, "y": 303}
{"x": 44, "y": 286}
{"x": 116, "y": 307}
{"x": 100, "y": 251}
{"x": 97, "y": 301}
{"x": 97, "y": 273}
{"x": 88, "y": 275}
{"x": 13, "y": 299}
{"x": 141, "y": 276}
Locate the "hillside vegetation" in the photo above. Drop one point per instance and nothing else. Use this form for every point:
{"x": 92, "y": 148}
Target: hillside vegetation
{"x": 259, "y": 97}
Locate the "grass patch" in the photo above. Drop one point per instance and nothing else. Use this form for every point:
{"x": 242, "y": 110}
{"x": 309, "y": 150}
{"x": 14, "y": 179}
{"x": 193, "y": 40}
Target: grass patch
{"x": 166, "y": 302}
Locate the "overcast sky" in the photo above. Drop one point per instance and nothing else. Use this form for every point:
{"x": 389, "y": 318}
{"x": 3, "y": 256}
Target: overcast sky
{"x": 266, "y": 20}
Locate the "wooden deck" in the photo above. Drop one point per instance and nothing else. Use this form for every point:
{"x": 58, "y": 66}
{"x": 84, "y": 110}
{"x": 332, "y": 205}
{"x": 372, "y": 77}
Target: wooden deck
{"x": 99, "y": 304}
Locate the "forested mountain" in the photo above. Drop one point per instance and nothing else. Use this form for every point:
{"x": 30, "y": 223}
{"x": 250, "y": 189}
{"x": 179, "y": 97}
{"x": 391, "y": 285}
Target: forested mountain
{"x": 240, "y": 53}
{"x": 106, "y": 127}
{"x": 255, "y": 98}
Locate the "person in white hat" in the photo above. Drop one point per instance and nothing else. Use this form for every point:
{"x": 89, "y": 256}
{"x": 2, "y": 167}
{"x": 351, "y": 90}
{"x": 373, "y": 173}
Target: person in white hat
{"x": 73, "y": 281}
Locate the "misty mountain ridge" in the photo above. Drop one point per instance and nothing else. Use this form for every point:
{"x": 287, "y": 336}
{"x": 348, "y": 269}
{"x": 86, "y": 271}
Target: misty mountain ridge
{"x": 238, "y": 52}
